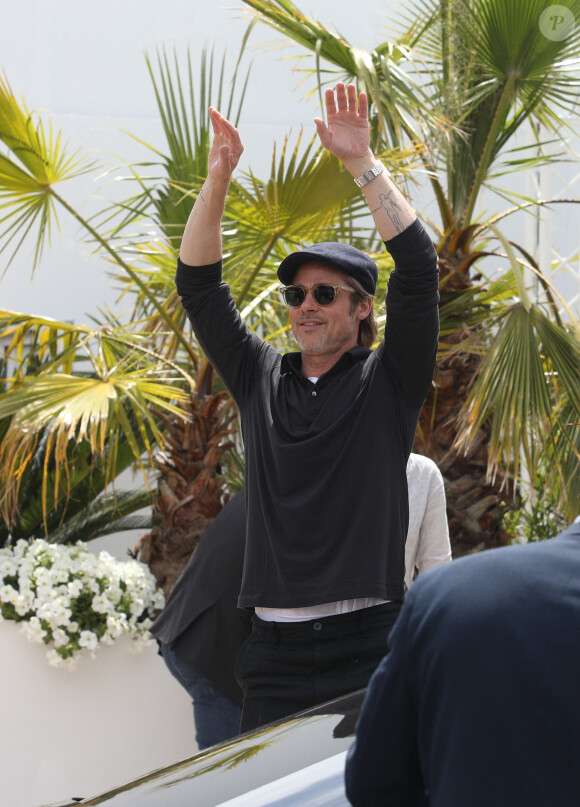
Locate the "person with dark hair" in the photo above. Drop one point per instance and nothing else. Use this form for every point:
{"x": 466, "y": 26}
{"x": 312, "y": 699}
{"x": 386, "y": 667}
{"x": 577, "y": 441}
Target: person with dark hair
{"x": 327, "y": 430}
{"x": 476, "y": 704}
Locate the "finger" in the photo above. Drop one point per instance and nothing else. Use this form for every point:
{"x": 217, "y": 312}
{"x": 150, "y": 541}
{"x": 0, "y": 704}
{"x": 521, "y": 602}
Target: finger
{"x": 215, "y": 117}
{"x": 352, "y": 98}
{"x": 229, "y": 131}
{"x": 330, "y": 102}
{"x": 341, "y": 97}
{"x": 363, "y": 106}
{"x": 322, "y": 131}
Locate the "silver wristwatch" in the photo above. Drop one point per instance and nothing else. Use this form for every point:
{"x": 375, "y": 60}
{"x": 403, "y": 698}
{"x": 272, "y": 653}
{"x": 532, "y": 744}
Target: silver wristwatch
{"x": 369, "y": 175}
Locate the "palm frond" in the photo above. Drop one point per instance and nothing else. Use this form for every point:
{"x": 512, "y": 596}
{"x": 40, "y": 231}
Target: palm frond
{"x": 36, "y": 158}
{"x": 383, "y": 72}
{"x": 73, "y": 385}
{"x": 531, "y": 366}
{"x": 183, "y": 97}
{"x": 105, "y": 515}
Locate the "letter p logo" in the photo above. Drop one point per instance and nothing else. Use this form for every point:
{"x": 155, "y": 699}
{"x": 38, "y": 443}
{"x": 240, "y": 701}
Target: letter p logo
{"x": 557, "y": 22}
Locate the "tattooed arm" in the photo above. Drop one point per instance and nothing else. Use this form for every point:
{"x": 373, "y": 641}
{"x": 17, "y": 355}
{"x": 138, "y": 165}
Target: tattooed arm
{"x": 346, "y": 135}
{"x": 202, "y": 239}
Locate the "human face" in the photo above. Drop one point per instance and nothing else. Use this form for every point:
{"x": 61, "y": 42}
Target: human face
{"x": 324, "y": 333}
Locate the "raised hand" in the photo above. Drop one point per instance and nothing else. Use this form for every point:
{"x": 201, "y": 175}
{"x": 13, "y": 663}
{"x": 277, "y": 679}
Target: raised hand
{"x": 346, "y": 133}
{"x": 226, "y": 148}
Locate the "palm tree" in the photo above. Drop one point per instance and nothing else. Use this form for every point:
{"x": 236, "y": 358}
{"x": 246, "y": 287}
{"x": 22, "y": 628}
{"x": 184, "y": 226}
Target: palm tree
{"x": 458, "y": 82}
{"x": 76, "y": 410}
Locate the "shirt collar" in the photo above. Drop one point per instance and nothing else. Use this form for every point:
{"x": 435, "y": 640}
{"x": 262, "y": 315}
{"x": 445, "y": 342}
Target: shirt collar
{"x": 292, "y": 362}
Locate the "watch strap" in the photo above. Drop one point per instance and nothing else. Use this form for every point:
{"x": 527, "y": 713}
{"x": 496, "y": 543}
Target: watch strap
{"x": 369, "y": 175}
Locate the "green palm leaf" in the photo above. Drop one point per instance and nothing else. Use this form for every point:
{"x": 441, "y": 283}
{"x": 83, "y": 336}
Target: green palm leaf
{"x": 379, "y": 72}
{"x": 37, "y": 158}
{"x": 63, "y": 510}
{"x": 105, "y": 515}
{"x": 183, "y": 98}
{"x": 532, "y": 366}
{"x": 74, "y": 384}
{"x": 491, "y": 69}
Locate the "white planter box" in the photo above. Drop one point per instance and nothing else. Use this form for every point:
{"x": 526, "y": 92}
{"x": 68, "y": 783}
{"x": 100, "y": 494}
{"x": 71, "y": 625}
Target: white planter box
{"x": 66, "y": 734}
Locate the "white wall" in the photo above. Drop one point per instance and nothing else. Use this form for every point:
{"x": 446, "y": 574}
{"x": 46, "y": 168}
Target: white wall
{"x": 76, "y": 733}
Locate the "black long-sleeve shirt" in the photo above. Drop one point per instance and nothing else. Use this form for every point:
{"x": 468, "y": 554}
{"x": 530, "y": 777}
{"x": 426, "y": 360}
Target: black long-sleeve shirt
{"x": 327, "y": 506}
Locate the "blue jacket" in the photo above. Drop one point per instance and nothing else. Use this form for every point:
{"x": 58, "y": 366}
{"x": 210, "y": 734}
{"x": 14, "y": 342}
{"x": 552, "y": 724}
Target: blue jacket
{"x": 478, "y": 702}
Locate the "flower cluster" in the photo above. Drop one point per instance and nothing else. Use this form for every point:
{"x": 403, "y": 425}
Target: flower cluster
{"x": 73, "y": 600}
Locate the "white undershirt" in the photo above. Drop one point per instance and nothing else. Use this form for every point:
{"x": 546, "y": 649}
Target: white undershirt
{"x": 315, "y": 611}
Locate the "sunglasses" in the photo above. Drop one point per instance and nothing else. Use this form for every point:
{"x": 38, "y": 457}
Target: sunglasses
{"x": 323, "y": 293}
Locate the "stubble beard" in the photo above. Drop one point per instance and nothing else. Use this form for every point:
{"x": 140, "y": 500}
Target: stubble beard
{"x": 315, "y": 346}
{"x": 320, "y": 343}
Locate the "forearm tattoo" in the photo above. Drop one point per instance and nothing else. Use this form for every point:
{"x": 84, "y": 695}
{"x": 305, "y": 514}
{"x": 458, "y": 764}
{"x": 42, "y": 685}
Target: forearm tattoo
{"x": 392, "y": 209}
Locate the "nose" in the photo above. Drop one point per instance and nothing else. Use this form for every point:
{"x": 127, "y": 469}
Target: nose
{"x": 309, "y": 302}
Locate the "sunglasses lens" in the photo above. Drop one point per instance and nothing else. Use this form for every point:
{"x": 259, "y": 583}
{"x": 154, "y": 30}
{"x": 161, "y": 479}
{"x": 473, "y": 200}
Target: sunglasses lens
{"x": 324, "y": 295}
{"x": 294, "y": 295}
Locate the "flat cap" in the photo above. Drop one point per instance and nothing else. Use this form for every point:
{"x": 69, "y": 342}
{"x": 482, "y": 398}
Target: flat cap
{"x": 348, "y": 259}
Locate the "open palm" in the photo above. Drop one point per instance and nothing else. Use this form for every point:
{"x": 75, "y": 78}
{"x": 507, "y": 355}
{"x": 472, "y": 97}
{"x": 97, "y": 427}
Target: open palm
{"x": 347, "y": 133}
{"x": 226, "y": 148}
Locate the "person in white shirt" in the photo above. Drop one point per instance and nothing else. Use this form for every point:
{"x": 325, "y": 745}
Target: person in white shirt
{"x": 427, "y": 544}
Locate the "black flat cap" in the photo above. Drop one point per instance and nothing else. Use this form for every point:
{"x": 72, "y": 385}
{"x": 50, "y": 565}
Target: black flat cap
{"x": 348, "y": 259}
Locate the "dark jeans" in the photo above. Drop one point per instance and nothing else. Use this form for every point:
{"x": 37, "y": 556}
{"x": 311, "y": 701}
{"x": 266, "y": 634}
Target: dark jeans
{"x": 285, "y": 667}
{"x": 216, "y": 717}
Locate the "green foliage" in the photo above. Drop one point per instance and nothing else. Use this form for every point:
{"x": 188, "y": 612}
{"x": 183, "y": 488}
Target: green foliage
{"x": 76, "y": 507}
{"x": 539, "y": 518}
{"x": 78, "y": 410}
{"x": 36, "y": 158}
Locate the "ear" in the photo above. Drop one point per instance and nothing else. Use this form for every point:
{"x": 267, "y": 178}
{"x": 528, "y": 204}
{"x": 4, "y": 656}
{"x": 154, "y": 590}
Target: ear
{"x": 364, "y": 308}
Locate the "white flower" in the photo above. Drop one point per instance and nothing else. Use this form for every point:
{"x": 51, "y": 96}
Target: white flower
{"x": 137, "y": 607}
{"x": 140, "y": 642}
{"x": 88, "y": 639}
{"x": 8, "y": 594}
{"x": 56, "y": 612}
{"x": 102, "y": 605}
{"x": 56, "y": 660}
{"x": 8, "y": 566}
{"x": 21, "y": 548}
{"x": 60, "y": 637}
{"x": 33, "y": 630}
{"x": 23, "y": 604}
{"x": 74, "y": 588}
{"x": 44, "y": 593}
{"x": 117, "y": 625}
{"x": 50, "y": 591}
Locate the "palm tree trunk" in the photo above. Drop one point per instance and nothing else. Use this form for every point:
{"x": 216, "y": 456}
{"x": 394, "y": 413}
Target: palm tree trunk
{"x": 191, "y": 489}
